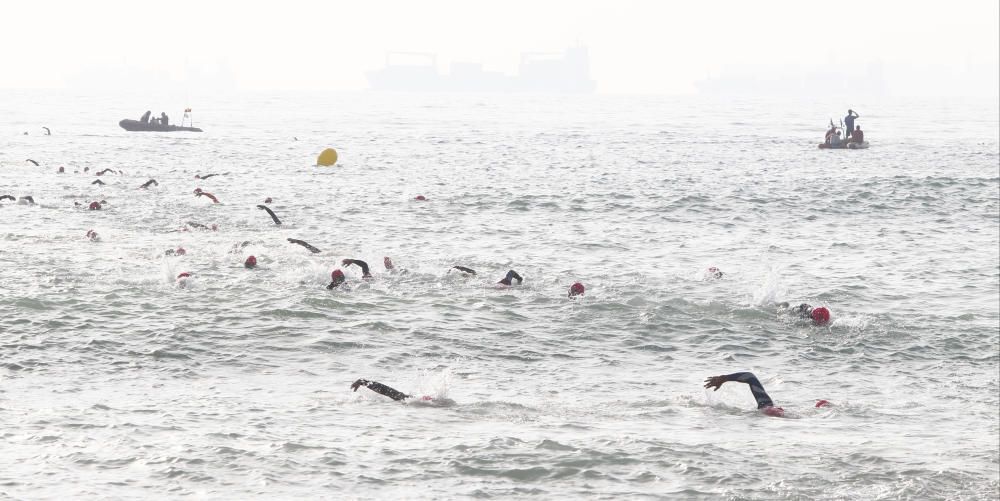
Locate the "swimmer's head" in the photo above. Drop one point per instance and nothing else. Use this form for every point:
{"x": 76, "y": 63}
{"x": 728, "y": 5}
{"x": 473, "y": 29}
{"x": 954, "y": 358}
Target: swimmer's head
{"x": 180, "y": 251}
{"x": 421, "y": 198}
{"x": 91, "y": 234}
{"x": 715, "y": 272}
{"x": 95, "y": 206}
{"x": 820, "y": 315}
{"x": 576, "y": 289}
{"x": 184, "y": 275}
{"x": 267, "y": 200}
{"x": 774, "y": 411}
{"x": 61, "y": 170}
{"x": 823, "y": 403}
{"x": 251, "y": 262}
{"x": 388, "y": 263}
{"x": 197, "y": 191}
{"x": 336, "y": 278}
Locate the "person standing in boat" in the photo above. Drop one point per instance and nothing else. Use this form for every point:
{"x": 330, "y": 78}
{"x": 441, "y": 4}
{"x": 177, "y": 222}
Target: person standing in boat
{"x": 145, "y": 117}
{"x": 849, "y": 123}
{"x": 164, "y": 120}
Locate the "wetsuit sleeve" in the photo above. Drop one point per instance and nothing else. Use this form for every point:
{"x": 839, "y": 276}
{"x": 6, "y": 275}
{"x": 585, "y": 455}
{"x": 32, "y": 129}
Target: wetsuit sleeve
{"x": 761, "y": 396}
{"x": 380, "y": 389}
{"x": 364, "y": 267}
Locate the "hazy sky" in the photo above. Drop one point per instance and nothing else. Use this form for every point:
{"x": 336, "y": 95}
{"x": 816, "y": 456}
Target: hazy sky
{"x": 924, "y": 48}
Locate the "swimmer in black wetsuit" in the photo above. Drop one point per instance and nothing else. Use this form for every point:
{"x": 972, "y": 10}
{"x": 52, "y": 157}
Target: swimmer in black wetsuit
{"x": 380, "y": 388}
{"x": 304, "y": 244}
{"x": 105, "y": 171}
{"x": 336, "y": 279}
{"x": 764, "y": 402}
{"x": 47, "y": 131}
{"x": 9, "y": 197}
{"x": 206, "y": 176}
{"x": 364, "y": 266}
{"x": 819, "y": 315}
{"x": 511, "y": 275}
{"x": 199, "y": 193}
{"x": 147, "y": 183}
{"x": 463, "y": 269}
{"x": 98, "y": 181}
{"x": 271, "y": 213}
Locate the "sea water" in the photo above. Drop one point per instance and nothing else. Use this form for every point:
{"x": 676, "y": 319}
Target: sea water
{"x": 119, "y": 382}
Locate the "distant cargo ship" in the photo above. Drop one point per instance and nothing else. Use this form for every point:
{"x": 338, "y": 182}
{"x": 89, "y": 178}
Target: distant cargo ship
{"x": 538, "y": 72}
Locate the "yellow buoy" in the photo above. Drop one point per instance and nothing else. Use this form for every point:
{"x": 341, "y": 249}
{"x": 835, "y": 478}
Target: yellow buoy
{"x": 327, "y": 158}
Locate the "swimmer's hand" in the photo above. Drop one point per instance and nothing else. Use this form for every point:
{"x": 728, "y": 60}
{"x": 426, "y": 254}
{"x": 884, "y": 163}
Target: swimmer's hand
{"x": 715, "y": 382}
{"x": 359, "y": 383}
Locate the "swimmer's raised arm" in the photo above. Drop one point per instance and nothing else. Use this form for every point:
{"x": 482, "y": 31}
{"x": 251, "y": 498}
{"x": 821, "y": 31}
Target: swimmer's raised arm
{"x": 105, "y": 171}
{"x": 380, "y": 389}
{"x": 463, "y": 269}
{"x": 364, "y": 266}
{"x": 98, "y": 181}
{"x": 32, "y": 161}
{"x": 200, "y": 193}
{"x": 511, "y": 275}
{"x": 9, "y": 197}
{"x": 147, "y": 183}
{"x": 304, "y": 244}
{"x": 761, "y": 396}
{"x": 271, "y": 212}
{"x": 206, "y": 176}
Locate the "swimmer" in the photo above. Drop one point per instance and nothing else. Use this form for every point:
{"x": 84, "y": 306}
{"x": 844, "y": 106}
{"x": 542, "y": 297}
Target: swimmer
{"x": 147, "y": 183}
{"x": 250, "y": 263}
{"x": 206, "y": 176}
{"x": 336, "y": 279}
{"x": 8, "y": 197}
{"x": 304, "y": 244}
{"x": 463, "y": 269}
{"x": 30, "y": 160}
{"x": 819, "y": 315}
{"x": 105, "y": 171}
{"x": 362, "y": 264}
{"x": 62, "y": 170}
{"x": 26, "y": 200}
{"x": 421, "y": 198}
{"x": 764, "y": 402}
{"x": 199, "y": 193}
{"x": 267, "y": 200}
{"x": 47, "y": 131}
{"x": 382, "y": 389}
{"x": 715, "y": 272}
{"x": 179, "y": 252}
{"x": 576, "y": 289}
{"x": 511, "y": 275}
{"x": 271, "y": 213}
{"x": 92, "y": 235}
{"x": 98, "y": 181}
{"x": 94, "y": 206}
{"x": 388, "y": 263}
{"x": 200, "y": 226}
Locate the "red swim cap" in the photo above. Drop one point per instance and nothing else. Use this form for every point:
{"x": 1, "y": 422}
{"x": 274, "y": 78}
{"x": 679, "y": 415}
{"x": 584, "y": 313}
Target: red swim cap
{"x": 250, "y": 262}
{"x": 95, "y": 206}
{"x": 822, "y": 403}
{"x": 183, "y": 275}
{"x": 267, "y": 200}
{"x": 576, "y": 289}
{"x": 420, "y": 197}
{"x": 337, "y": 274}
{"x": 180, "y": 251}
{"x": 820, "y": 315}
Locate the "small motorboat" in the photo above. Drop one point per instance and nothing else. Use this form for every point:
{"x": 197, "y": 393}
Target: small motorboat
{"x": 137, "y": 126}
{"x": 844, "y": 146}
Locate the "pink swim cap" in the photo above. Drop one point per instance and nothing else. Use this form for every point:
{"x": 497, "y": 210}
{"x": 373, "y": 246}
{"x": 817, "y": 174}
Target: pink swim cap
{"x": 822, "y": 403}
{"x": 95, "y": 206}
{"x": 420, "y": 197}
{"x": 576, "y": 289}
{"x": 180, "y": 251}
{"x": 250, "y": 262}
{"x": 820, "y": 315}
{"x": 774, "y": 411}
{"x": 183, "y": 275}
{"x": 337, "y": 274}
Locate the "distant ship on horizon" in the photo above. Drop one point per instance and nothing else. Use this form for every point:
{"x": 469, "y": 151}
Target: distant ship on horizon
{"x": 537, "y": 72}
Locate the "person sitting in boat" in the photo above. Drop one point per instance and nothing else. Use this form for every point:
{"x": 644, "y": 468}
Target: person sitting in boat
{"x": 164, "y": 120}
{"x": 835, "y": 140}
{"x": 829, "y": 134}
{"x": 145, "y": 117}
{"x": 858, "y": 136}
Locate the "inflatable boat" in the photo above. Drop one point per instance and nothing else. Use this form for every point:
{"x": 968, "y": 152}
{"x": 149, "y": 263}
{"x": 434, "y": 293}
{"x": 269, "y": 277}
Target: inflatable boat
{"x": 844, "y": 146}
{"x": 137, "y": 126}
